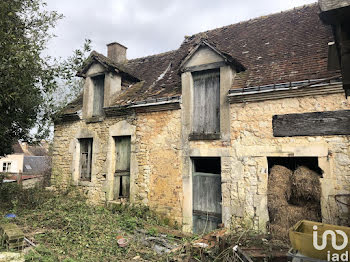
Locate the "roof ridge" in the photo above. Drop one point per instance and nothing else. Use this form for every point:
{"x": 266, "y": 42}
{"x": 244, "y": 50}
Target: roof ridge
{"x": 255, "y": 19}
{"x": 218, "y": 28}
{"x": 149, "y": 56}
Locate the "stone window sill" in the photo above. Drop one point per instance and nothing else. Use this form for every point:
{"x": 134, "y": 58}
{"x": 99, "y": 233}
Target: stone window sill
{"x": 202, "y": 136}
{"x": 94, "y": 119}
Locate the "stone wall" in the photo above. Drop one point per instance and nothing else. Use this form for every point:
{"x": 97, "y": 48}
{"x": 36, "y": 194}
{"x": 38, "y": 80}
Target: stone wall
{"x": 161, "y": 159}
{"x": 252, "y": 142}
{"x": 155, "y": 169}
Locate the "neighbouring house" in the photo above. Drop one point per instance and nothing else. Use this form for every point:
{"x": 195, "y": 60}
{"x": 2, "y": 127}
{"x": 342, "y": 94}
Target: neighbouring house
{"x": 13, "y": 163}
{"x": 29, "y": 163}
{"x": 193, "y": 133}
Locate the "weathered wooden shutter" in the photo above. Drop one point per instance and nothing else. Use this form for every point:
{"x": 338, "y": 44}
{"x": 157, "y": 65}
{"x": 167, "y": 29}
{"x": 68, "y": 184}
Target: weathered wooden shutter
{"x": 98, "y": 82}
{"x": 206, "y": 103}
{"x": 206, "y": 201}
{"x": 85, "y": 158}
{"x": 122, "y": 167}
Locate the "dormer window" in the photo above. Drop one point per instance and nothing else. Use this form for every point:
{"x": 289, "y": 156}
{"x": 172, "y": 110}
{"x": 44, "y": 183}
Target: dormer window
{"x": 206, "y": 102}
{"x": 103, "y": 80}
{"x": 206, "y": 76}
{"x": 99, "y": 86}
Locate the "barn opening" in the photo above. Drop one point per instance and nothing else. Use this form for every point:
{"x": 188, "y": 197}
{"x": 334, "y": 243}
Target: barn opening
{"x": 294, "y": 193}
{"x": 206, "y": 184}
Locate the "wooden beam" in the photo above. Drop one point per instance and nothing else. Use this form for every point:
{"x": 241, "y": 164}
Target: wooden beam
{"x": 194, "y": 136}
{"x": 312, "y": 124}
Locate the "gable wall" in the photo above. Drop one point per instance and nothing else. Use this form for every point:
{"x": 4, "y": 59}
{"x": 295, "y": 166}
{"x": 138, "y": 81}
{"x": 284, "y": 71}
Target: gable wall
{"x": 16, "y": 162}
{"x": 204, "y": 55}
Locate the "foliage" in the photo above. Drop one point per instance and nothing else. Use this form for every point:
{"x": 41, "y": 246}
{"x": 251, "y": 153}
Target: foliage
{"x": 31, "y": 83}
{"x": 66, "y": 228}
{"x": 25, "y": 75}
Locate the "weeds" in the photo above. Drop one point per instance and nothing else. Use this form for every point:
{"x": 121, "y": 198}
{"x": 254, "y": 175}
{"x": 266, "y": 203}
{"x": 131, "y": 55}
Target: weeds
{"x": 68, "y": 229}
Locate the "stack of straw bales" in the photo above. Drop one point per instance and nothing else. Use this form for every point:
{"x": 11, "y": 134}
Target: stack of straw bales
{"x": 302, "y": 188}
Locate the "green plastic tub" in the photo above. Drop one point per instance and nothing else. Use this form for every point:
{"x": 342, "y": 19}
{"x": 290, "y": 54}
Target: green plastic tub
{"x": 301, "y": 238}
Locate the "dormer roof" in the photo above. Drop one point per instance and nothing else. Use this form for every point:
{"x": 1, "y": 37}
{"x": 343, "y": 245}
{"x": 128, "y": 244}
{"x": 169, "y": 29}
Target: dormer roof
{"x": 108, "y": 64}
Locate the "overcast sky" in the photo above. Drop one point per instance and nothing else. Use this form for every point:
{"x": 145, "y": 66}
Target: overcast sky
{"x": 149, "y": 26}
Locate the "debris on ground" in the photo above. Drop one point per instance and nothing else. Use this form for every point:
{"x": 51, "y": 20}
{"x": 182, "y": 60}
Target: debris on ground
{"x": 211, "y": 239}
{"x": 219, "y": 245}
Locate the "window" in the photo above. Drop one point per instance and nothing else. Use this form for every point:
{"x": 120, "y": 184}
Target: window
{"x": 6, "y": 167}
{"x": 122, "y": 167}
{"x": 99, "y": 83}
{"x": 206, "y": 103}
{"x": 85, "y": 158}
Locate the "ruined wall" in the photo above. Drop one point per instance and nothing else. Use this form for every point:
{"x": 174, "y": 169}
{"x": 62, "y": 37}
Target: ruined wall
{"x": 252, "y": 142}
{"x": 155, "y": 159}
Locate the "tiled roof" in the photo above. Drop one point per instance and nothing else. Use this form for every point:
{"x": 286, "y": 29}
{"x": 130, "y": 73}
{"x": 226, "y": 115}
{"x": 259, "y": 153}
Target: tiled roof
{"x": 278, "y": 48}
{"x": 16, "y": 148}
{"x": 36, "y": 164}
{"x": 108, "y": 63}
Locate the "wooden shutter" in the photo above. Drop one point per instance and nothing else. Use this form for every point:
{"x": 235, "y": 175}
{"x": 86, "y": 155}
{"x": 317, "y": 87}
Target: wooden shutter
{"x": 206, "y": 102}
{"x": 206, "y": 202}
{"x": 98, "y": 102}
{"x": 122, "y": 167}
{"x": 85, "y": 158}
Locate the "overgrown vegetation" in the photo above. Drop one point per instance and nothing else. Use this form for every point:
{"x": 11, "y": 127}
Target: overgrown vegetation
{"x": 66, "y": 228}
{"x": 34, "y": 86}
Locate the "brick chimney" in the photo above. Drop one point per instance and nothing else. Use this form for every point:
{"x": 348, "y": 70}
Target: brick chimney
{"x": 116, "y": 52}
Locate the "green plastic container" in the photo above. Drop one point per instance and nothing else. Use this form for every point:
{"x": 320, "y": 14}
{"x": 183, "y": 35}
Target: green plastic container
{"x": 301, "y": 238}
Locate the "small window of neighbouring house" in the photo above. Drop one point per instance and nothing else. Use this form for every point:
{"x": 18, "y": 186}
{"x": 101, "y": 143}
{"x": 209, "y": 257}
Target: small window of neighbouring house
{"x": 6, "y": 167}
{"x": 122, "y": 167}
{"x": 85, "y": 158}
{"x": 206, "y": 102}
{"x": 99, "y": 83}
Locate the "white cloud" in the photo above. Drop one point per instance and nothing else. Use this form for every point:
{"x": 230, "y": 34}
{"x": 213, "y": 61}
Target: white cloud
{"x": 152, "y": 26}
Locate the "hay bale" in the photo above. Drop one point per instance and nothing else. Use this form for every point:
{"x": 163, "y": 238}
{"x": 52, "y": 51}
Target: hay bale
{"x": 279, "y": 232}
{"x": 306, "y": 184}
{"x": 279, "y": 190}
{"x": 279, "y": 184}
{"x": 283, "y": 186}
{"x": 288, "y": 216}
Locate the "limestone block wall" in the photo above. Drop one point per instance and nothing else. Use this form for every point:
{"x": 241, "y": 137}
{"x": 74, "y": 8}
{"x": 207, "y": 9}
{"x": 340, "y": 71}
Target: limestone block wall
{"x": 252, "y": 142}
{"x": 159, "y": 159}
{"x": 155, "y": 159}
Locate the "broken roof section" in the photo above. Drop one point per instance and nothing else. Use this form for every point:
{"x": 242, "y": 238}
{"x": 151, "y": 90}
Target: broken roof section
{"x": 284, "y": 47}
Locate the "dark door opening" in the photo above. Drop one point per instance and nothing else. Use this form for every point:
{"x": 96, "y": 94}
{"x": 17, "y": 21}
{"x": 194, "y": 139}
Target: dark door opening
{"x": 206, "y": 186}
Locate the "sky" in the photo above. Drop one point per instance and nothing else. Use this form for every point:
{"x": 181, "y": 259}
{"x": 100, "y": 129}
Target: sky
{"x": 148, "y": 27}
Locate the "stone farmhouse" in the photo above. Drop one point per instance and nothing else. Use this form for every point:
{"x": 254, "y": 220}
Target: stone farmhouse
{"x": 192, "y": 133}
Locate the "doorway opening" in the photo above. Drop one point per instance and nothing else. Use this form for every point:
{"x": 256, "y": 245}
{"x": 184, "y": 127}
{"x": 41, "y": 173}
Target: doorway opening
{"x": 206, "y": 191}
